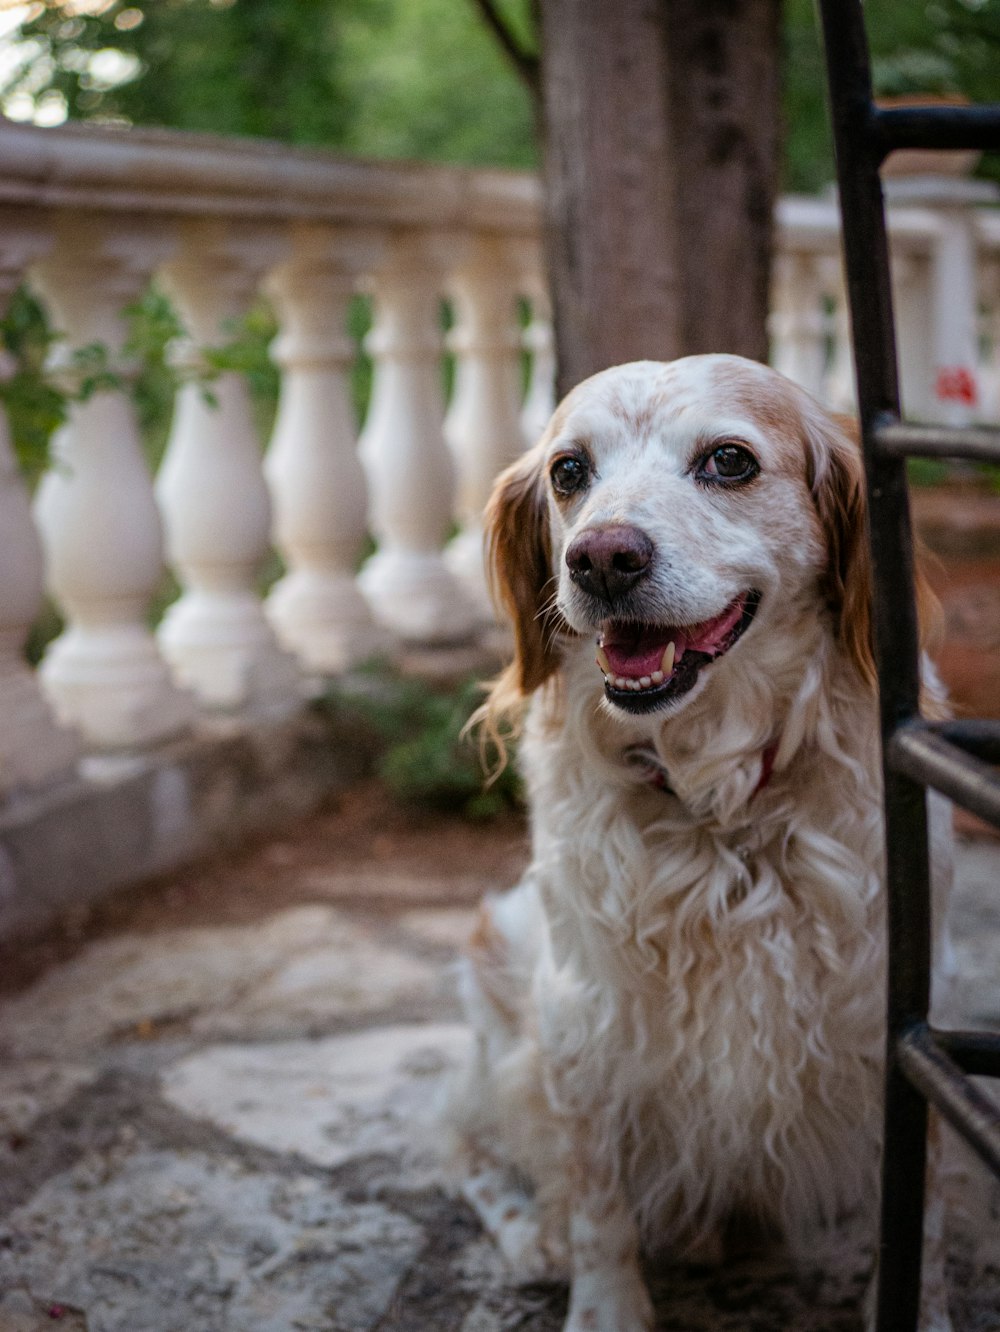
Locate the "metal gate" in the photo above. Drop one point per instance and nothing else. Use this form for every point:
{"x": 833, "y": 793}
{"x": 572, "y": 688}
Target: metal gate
{"x": 924, "y": 1065}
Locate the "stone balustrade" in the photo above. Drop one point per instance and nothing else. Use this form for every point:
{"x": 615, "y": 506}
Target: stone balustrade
{"x": 90, "y": 217}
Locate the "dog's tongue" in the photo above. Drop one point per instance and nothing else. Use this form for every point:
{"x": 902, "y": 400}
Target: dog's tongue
{"x": 635, "y": 650}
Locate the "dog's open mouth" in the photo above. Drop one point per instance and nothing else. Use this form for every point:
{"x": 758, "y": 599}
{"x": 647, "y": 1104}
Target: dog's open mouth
{"x": 647, "y": 665}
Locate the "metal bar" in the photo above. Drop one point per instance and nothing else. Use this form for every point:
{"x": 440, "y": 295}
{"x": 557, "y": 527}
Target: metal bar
{"x": 866, "y": 255}
{"x": 959, "y": 1100}
{"x": 975, "y": 1052}
{"x": 920, "y": 754}
{"x": 949, "y": 127}
{"x": 899, "y": 440}
{"x": 981, "y": 738}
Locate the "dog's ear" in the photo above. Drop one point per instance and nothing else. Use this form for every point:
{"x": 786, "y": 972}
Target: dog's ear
{"x": 519, "y": 565}
{"x": 837, "y": 479}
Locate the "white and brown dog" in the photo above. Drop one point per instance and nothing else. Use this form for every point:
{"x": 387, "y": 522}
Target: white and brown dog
{"x": 679, "y": 1011}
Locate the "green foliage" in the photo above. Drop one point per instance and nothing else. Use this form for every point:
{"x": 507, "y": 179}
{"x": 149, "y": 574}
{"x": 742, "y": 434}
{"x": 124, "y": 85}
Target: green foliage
{"x": 401, "y": 78}
{"x": 257, "y": 67}
{"x": 37, "y": 396}
{"x": 425, "y": 79}
{"x": 917, "y": 46}
{"x": 430, "y": 758}
{"x": 35, "y": 407}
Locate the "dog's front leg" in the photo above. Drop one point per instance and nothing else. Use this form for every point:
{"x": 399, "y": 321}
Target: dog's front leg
{"x": 607, "y": 1293}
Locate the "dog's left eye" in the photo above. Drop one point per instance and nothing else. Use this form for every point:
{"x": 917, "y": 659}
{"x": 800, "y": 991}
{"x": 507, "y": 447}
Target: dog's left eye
{"x": 729, "y": 462}
{"x": 568, "y": 475}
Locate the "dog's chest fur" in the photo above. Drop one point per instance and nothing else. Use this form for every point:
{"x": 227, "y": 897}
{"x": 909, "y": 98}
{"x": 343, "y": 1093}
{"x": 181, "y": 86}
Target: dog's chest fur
{"x": 713, "y": 959}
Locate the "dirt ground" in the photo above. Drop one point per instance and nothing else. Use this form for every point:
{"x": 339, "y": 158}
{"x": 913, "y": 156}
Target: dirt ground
{"x": 212, "y": 1090}
{"x": 365, "y": 850}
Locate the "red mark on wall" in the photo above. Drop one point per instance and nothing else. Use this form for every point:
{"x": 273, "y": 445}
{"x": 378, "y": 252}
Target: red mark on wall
{"x": 956, "y": 384}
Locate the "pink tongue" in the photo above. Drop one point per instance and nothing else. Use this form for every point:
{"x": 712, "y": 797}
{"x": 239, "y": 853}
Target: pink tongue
{"x": 632, "y": 655}
{"x": 643, "y": 658}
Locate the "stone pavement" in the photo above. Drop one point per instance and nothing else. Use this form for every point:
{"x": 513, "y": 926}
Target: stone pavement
{"x": 219, "y": 1108}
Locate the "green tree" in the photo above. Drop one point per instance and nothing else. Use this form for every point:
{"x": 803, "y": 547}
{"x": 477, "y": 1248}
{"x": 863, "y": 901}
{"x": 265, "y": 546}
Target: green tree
{"x": 426, "y": 78}
{"x": 255, "y": 67}
{"x": 421, "y": 79}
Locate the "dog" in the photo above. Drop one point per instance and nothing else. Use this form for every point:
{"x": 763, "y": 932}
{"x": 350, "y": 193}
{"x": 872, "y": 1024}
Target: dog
{"x": 679, "y": 1013}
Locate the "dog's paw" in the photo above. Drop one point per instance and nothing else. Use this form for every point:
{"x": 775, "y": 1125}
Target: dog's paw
{"x": 512, "y": 1219}
{"x": 609, "y": 1301}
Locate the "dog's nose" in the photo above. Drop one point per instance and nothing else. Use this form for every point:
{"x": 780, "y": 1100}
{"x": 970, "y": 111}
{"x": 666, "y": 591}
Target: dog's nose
{"x": 608, "y": 561}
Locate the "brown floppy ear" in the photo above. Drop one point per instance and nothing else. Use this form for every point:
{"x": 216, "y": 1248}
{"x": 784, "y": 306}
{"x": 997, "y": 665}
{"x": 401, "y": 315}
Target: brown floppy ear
{"x": 519, "y": 566}
{"x": 837, "y": 480}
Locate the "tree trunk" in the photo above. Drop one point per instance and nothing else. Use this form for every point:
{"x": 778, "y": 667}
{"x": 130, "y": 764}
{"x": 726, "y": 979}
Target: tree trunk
{"x": 660, "y": 124}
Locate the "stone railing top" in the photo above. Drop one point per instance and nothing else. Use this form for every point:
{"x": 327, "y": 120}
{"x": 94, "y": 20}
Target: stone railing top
{"x": 164, "y": 171}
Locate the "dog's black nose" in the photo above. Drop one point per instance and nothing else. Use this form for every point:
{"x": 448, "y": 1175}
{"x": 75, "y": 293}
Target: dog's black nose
{"x": 608, "y": 561}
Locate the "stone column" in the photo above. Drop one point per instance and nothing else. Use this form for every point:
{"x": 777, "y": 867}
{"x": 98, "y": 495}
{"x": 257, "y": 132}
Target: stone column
{"x": 953, "y": 314}
{"x": 482, "y": 426}
{"x": 212, "y": 492}
{"x": 539, "y": 341}
{"x": 95, "y": 507}
{"x": 34, "y": 748}
{"x": 915, "y": 341}
{"x": 797, "y": 325}
{"x": 838, "y": 390}
{"x": 410, "y": 473}
{"x": 315, "y": 476}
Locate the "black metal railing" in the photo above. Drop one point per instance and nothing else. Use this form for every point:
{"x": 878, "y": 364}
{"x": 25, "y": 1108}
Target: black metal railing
{"x": 923, "y": 1066}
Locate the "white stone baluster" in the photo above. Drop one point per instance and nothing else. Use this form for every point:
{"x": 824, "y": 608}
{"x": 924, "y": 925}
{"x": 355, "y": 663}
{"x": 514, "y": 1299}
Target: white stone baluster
{"x": 34, "y": 748}
{"x": 410, "y": 472}
{"x": 837, "y": 390}
{"x": 482, "y": 425}
{"x": 539, "y": 341}
{"x": 797, "y": 324}
{"x": 953, "y": 296}
{"x": 212, "y": 491}
{"x": 95, "y": 506}
{"x": 989, "y": 365}
{"x": 915, "y": 344}
{"x": 953, "y": 315}
{"x": 316, "y": 478}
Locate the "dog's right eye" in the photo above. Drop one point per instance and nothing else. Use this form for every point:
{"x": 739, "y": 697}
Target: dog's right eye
{"x": 569, "y": 475}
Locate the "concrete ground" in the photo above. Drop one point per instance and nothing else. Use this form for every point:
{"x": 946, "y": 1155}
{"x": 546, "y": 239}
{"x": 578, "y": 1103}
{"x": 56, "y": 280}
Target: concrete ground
{"x": 218, "y": 1102}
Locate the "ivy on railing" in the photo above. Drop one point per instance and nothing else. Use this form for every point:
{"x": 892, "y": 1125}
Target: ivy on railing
{"x": 40, "y": 379}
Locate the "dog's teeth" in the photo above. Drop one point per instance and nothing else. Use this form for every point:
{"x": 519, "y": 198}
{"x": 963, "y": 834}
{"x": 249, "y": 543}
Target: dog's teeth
{"x": 645, "y": 681}
{"x": 602, "y": 661}
{"x": 621, "y": 682}
{"x": 657, "y": 677}
{"x": 669, "y": 652}
{"x": 634, "y": 684}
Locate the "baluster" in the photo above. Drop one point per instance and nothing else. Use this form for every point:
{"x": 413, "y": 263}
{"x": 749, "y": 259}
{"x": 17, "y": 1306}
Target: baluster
{"x": 837, "y": 388}
{"x": 482, "y": 425}
{"x": 797, "y": 324}
{"x": 953, "y": 297}
{"x": 34, "y": 748}
{"x": 539, "y": 342}
{"x": 989, "y": 364}
{"x": 914, "y": 335}
{"x": 953, "y": 395}
{"x": 95, "y": 506}
{"x": 212, "y": 491}
{"x": 410, "y": 473}
{"x": 316, "y": 478}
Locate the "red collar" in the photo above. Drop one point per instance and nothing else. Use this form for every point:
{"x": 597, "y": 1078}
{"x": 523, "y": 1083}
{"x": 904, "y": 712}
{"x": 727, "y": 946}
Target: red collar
{"x": 648, "y": 768}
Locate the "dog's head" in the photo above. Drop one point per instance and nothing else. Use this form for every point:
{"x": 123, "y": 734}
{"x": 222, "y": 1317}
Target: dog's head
{"x": 675, "y": 514}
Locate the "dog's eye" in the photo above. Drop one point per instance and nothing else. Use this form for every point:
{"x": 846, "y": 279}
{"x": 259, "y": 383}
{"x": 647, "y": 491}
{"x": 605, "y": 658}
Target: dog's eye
{"x": 569, "y": 475}
{"x": 729, "y": 462}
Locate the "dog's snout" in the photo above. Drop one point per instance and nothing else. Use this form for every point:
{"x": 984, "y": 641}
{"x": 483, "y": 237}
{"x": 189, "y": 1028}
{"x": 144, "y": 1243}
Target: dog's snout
{"x": 608, "y": 561}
